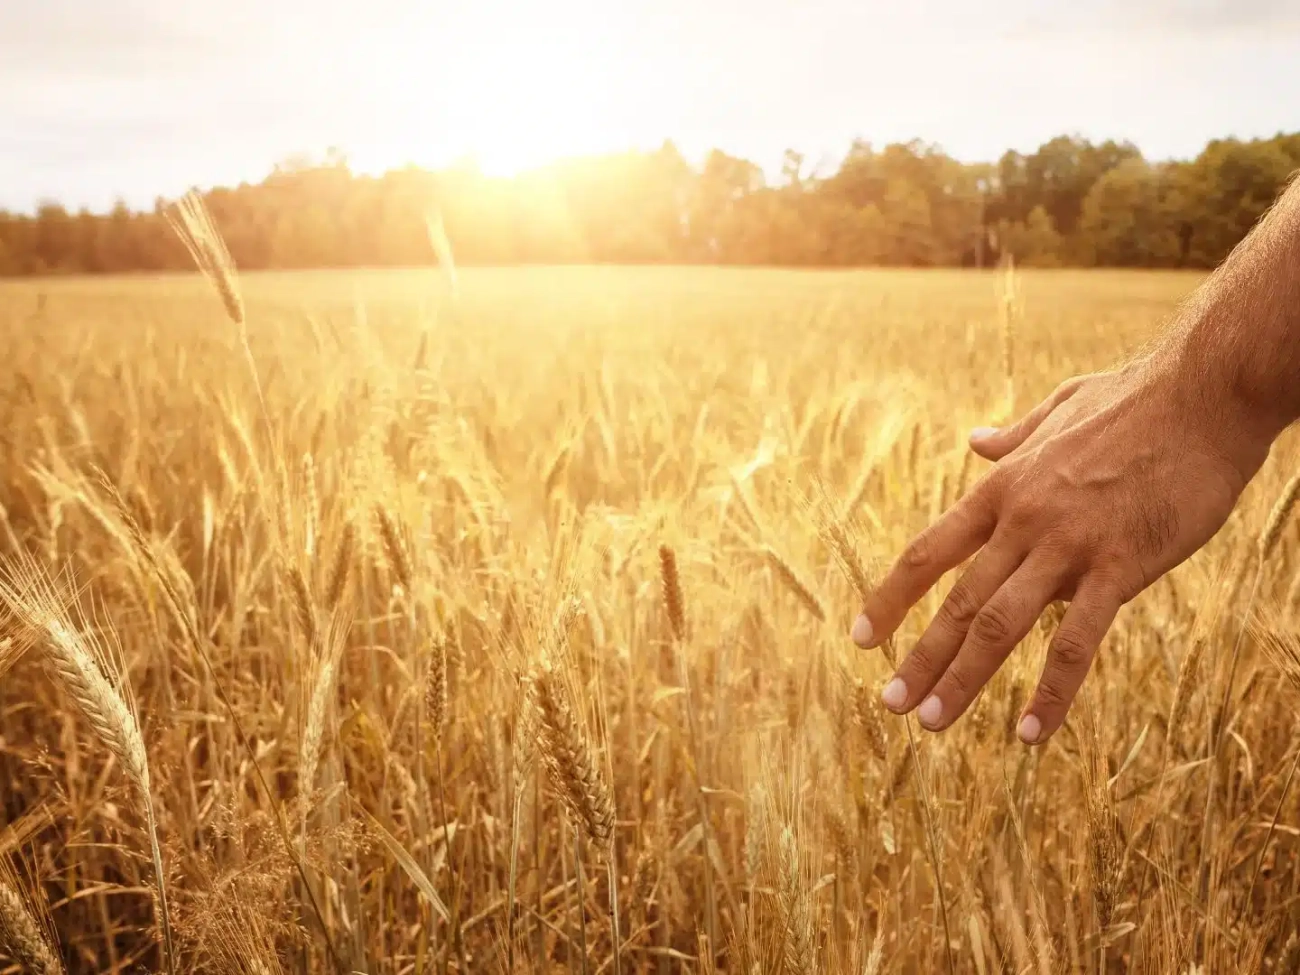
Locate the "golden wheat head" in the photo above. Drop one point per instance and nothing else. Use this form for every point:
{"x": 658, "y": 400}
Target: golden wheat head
{"x": 569, "y": 758}
{"x": 193, "y": 224}
{"x": 26, "y": 934}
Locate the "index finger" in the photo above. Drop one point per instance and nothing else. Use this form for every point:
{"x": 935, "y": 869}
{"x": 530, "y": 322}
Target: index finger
{"x": 955, "y": 537}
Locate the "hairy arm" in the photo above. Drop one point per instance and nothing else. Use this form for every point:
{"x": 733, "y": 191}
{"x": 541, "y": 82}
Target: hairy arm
{"x": 1102, "y": 488}
{"x": 1240, "y": 333}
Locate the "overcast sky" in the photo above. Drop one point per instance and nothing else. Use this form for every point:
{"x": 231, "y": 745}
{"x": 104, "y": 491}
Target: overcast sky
{"x": 141, "y": 98}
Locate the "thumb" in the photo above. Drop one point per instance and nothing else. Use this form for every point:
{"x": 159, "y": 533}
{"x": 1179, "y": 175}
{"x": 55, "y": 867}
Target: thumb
{"x": 994, "y": 443}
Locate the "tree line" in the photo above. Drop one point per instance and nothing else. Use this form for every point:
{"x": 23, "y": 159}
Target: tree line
{"x": 1070, "y": 203}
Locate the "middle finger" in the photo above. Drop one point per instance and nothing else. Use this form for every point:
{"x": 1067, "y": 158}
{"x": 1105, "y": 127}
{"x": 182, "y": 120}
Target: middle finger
{"x": 938, "y": 646}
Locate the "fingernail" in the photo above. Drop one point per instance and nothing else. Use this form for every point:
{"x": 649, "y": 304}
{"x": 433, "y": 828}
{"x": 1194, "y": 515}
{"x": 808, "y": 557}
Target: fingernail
{"x": 983, "y": 433}
{"x": 1029, "y": 730}
{"x": 930, "y": 712}
{"x": 862, "y": 633}
{"x": 894, "y": 695}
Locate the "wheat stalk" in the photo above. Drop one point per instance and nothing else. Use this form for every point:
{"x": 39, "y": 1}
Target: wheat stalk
{"x": 441, "y": 245}
{"x": 78, "y": 659}
{"x": 197, "y": 642}
{"x": 25, "y": 932}
{"x": 866, "y": 713}
{"x": 313, "y": 505}
{"x": 340, "y": 570}
{"x": 755, "y": 837}
{"x": 672, "y": 590}
{"x": 1266, "y": 542}
{"x": 1007, "y": 316}
{"x": 328, "y": 652}
{"x": 1283, "y": 650}
{"x": 800, "y": 589}
{"x": 1105, "y": 840}
{"x": 395, "y": 551}
{"x": 569, "y": 759}
{"x": 1183, "y": 689}
{"x": 582, "y": 787}
{"x": 435, "y": 687}
{"x": 244, "y": 945}
{"x": 836, "y": 531}
{"x": 190, "y": 219}
{"x": 302, "y": 604}
{"x": 799, "y": 953}
{"x": 523, "y": 751}
{"x": 841, "y": 836}
{"x": 1278, "y": 516}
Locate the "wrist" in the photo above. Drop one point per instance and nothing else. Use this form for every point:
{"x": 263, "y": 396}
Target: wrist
{"x": 1214, "y": 391}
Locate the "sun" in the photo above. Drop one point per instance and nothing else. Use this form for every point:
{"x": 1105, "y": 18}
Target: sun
{"x": 512, "y": 92}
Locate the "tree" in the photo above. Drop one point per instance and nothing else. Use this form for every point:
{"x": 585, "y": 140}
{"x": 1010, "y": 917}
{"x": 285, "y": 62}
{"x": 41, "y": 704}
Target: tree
{"x": 1227, "y": 188}
{"x": 1033, "y": 242}
{"x": 55, "y": 244}
{"x": 906, "y": 212}
{"x": 906, "y": 203}
{"x": 712, "y": 213}
{"x": 1125, "y": 221}
{"x": 1061, "y": 173}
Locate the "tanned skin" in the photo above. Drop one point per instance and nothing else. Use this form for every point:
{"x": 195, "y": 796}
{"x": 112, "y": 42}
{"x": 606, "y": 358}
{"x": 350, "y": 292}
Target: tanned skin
{"x": 1102, "y": 488}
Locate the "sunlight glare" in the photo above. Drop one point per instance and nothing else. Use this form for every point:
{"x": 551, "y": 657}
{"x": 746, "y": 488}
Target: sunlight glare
{"x": 537, "y": 92}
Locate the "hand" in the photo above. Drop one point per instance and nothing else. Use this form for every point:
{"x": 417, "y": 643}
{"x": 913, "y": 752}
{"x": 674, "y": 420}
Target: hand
{"x": 1106, "y": 485}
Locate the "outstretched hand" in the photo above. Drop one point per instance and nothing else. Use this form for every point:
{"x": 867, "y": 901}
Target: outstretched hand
{"x": 1106, "y": 485}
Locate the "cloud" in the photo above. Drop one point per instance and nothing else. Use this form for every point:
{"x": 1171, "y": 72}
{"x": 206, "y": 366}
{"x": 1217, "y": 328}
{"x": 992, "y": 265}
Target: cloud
{"x": 89, "y": 39}
{"x": 144, "y": 96}
{"x": 1164, "y": 18}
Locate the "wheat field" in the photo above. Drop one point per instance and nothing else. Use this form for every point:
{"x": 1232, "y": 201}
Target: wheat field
{"x": 500, "y": 623}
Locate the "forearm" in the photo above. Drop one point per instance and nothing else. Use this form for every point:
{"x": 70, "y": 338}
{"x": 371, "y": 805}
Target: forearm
{"x": 1239, "y": 336}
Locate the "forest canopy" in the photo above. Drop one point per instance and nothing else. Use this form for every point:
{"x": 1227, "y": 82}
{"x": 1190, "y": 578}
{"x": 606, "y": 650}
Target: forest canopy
{"x": 1070, "y": 203}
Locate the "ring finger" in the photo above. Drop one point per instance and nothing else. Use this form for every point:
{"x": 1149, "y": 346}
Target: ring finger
{"x": 928, "y": 660}
{"x": 1005, "y": 620}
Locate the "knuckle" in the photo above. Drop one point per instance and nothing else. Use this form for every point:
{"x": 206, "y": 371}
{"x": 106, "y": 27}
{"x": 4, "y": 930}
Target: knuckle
{"x": 993, "y": 624}
{"x": 1051, "y": 695}
{"x": 1066, "y": 545}
{"x": 1130, "y": 584}
{"x": 960, "y": 685}
{"x": 1110, "y": 571}
{"x": 920, "y": 551}
{"x": 1021, "y": 513}
{"x": 922, "y": 660}
{"x": 1114, "y": 573}
{"x": 988, "y": 491}
{"x": 1071, "y": 650}
{"x": 1069, "y": 386}
{"x": 961, "y": 606}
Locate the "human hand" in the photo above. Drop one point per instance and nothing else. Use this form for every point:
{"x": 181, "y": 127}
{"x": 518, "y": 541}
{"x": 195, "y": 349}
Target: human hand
{"x": 1106, "y": 485}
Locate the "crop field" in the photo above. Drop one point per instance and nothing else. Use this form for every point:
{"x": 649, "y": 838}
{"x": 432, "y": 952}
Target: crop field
{"x": 499, "y": 623}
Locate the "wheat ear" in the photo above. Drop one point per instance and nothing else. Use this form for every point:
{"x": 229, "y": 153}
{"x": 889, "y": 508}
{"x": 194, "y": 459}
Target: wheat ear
{"x": 328, "y": 652}
{"x": 78, "y": 659}
{"x": 435, "y": 687}
{"x": 866, "y": 713}
{"x": 672, "y": 588}
{"x": 799, "y": 954}
{"x": 340, "y": 571}
{"x": 399, "y": 559}
{"x": 193, "y": 225}
{"x": 302, "y": 604}
{"x": 801, "y": 590}
{"x": 25, "y": 933}
{"x": 569, "y": 759}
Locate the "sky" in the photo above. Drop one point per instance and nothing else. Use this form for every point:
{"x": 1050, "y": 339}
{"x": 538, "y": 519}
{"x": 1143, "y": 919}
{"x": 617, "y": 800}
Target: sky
{"x": 137, "y": 99}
